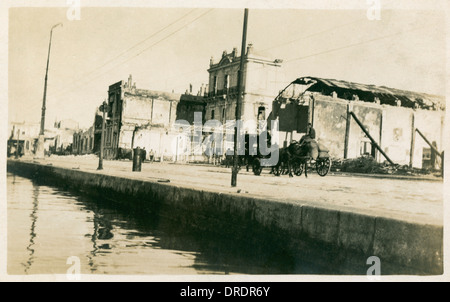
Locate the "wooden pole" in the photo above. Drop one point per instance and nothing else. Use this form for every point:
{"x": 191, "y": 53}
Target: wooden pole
{"x": 235, "y": 168}
{"x": 429, "y": 144}
{"x": 371, "y": 138}
{"x": 347, "y": 132}
{"x": 103, "y": 108}
{"x": 17, "y": 143}
{"x": 413, "y": 141}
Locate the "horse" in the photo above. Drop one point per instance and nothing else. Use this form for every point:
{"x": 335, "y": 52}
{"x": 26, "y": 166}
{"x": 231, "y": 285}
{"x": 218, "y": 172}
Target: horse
{"x": 284, "y": 161}
{"x": 297, "y": 154}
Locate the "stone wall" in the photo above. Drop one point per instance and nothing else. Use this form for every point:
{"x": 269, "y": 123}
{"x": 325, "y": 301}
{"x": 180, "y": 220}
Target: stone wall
{"x": 370, "y": 116}
{"x": 396, "y": 134}
{"x": 391, "y": 127}
{"x": 341, "y": 238}
{"x": 329, "y": 123}
{"x": 431, "y": 124}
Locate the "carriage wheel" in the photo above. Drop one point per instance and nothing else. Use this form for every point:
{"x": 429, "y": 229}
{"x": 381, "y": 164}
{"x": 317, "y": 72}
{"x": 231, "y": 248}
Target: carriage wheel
{"x": 323, "y": 166}
{"x": 257, "y": 168}
{"x": 298, "y": 169}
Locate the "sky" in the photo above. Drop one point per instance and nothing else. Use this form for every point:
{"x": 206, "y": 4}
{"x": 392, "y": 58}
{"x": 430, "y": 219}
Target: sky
{"x": 169, "y": 48}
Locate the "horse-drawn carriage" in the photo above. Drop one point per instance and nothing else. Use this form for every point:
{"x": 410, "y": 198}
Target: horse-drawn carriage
{"x": 294, "y": 109}
{"x": 296, "y": 159}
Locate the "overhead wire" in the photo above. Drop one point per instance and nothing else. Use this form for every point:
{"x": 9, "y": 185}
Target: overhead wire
{"x": 134, "y": 56}
{"x": 355, "y": 44}
{"x": 289, "y": 42}
{"x": 139, "y": 43}
{"x": 315, "y": 34}
{"x": 303, "y": 37}
{"x": 295, "y": 40}
{"x": 279, "y": 45}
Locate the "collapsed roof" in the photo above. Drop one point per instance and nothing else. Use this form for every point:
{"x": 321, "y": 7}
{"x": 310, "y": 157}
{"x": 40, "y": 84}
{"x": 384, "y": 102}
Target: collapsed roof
{"x": 370, "y": 93}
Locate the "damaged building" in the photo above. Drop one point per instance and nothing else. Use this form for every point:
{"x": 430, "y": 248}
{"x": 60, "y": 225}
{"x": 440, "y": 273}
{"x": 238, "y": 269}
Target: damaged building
{"x": 88, "y": 141}
{"x": 23, "y": 138}
{"x": 144, "y": 118}
{"x": 64, "y": 132}
{"x": 355, "y": 120}
{"x": 260, "y": 77}
{"x": 350, "y": 119}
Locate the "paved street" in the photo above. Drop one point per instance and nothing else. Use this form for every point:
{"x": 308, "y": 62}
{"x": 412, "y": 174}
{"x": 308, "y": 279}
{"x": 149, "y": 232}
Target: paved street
{"x": 411, "y": 200}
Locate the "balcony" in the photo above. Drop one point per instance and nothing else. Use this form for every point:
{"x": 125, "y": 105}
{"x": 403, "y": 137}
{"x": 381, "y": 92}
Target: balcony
{"x": 223, "y": 93}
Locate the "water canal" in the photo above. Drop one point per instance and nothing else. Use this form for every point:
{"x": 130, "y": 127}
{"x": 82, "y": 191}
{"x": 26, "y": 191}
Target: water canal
{"x": 47, "y": 225}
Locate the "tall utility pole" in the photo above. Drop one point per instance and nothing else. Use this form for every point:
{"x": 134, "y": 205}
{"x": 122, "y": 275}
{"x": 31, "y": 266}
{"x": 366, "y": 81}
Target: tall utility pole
{"x": 235, "y": 168}
{"x": 103, "y": 108}
{"x": 17, "y": 144}
{"x": 40, "y": 146}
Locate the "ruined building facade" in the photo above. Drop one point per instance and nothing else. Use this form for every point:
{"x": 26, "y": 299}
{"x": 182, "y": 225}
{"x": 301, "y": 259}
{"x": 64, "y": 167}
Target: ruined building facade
{"x": 22, "y": 138}
{"x": 402, "y": 125}
{"x": 88, "y": 141}
{"x": 144, "y": 118}
{"x": 399, "y": 122}
{"x": 260, "y": 77}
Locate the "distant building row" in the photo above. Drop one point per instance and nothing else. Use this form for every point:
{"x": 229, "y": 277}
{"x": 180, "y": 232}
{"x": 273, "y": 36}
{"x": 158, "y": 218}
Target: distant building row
{"x": 58, "y": 139}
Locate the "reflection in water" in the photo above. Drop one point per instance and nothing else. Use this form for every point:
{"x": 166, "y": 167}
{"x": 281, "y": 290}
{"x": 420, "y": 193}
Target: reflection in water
{"x": 30, "y": 247}
{"x": 102, "y": 230}
{"x": 104, "y": 233}
{"x": 93, "y": 253}
{"x": 114, "y": 239}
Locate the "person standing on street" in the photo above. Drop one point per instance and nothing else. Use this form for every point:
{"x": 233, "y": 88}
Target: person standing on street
{"x": 143, "y": 154}
{"x": 152, "y": 155}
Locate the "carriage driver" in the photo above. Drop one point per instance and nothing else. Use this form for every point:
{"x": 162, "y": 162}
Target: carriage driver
{"x": 310, "y": 134}
{"x": 308, "y": 142}
{"x": 311, "y": 131}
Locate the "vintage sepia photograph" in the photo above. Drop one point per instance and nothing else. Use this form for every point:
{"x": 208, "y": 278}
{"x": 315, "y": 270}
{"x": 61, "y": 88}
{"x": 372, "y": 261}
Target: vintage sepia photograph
{"x": 224, "y": 141}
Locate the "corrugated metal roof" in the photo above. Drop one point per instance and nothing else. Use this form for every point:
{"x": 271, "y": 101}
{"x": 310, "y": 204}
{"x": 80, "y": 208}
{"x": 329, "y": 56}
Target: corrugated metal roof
{"x": 368, "y": 93}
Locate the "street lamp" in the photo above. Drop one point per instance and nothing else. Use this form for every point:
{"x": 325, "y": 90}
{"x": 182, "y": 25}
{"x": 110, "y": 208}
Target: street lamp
{"x": 40, "y": 145}
{"x": 103, "y": 108}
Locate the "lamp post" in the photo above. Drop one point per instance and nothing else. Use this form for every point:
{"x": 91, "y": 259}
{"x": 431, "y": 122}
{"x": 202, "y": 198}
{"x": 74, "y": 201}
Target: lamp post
{"x": 103, "y": 108}
{"x": 40, "y": 145}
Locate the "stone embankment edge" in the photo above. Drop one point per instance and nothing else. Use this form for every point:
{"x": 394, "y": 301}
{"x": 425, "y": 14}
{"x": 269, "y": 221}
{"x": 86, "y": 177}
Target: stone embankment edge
{"x": 416, "y": 248}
